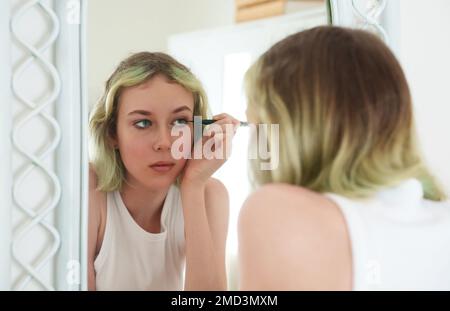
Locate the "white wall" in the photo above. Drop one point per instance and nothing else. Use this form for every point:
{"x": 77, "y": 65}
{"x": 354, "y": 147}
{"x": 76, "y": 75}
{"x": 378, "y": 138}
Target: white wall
{"x": 425, "y": 56}
{"x": 120, "y": 27}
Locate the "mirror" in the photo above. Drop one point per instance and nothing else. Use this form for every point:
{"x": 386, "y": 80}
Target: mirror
{"x": 217, "y": 40}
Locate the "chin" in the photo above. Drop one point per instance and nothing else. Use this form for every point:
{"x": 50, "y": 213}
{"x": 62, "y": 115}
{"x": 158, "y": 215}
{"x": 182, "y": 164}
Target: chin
{"x": 160, "y": 180}
{"x": 152, "y": 186}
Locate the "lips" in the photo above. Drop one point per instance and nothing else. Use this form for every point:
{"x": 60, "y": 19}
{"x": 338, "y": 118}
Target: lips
{"x": 162, "y": 166}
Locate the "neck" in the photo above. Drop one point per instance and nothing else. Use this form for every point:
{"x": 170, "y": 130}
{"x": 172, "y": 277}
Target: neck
{"x": 144, "y": 204}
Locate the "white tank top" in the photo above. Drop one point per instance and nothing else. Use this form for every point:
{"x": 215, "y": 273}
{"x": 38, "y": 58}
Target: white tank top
{"x": 131, "y": 258}
{"x": 400, "y": 241}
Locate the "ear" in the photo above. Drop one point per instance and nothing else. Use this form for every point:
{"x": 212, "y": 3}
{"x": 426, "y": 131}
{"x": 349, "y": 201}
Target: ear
{"x": 112, "y": 138}
{"x": 113, "y": 144}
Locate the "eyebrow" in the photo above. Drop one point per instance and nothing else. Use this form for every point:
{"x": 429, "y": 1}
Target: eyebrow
{"x": 147, "y": 113}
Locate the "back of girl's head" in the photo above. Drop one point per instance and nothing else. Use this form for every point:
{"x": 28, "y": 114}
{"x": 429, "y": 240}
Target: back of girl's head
{"x": 134, "y": 70}
{"x": 345, "y": 113}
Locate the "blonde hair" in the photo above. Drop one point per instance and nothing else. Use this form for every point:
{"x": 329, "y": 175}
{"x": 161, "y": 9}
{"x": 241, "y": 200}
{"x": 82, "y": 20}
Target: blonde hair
{"x": 134, "y": 70}
{"x": 344, "y": 112}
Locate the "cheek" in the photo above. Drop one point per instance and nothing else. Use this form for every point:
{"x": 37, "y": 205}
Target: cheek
{"x": 185, "y": 137}
{"x": 133, "y": 150}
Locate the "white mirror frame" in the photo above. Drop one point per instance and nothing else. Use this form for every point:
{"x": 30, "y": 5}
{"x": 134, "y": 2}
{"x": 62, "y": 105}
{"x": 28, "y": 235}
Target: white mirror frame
{"x": 384, "y": 16}
{"x": 5, "y": 154}
{"x": 65, "y": 77}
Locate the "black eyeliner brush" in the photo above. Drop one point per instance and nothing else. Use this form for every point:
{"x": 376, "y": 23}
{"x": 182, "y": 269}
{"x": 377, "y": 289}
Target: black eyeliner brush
{"x": 211, "y": 121}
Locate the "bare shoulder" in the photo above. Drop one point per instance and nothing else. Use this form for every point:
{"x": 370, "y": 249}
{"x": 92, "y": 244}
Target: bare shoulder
{"x": 98, "y": 198}
{"x": 298, "y": 227}
{"x": 215, "y": 186}
{"x": 289, "y": 204}
{"x": 97, "y": 211}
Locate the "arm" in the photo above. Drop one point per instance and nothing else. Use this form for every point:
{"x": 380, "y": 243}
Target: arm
{"x": 96, "y": 201}
{"x": 258, "y": 256}
{"x": 205, "y": 208}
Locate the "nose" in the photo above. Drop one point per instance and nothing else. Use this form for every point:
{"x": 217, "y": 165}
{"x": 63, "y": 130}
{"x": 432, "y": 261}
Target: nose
{"x": 163, "y": 141}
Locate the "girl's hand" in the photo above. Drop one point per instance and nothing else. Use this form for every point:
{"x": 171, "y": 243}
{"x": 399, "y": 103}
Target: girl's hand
{"x": 215, "y": 147}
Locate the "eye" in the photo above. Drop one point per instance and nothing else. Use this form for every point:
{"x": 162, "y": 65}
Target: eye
{"x": 142, "y": 124}
{"x": 180, "y": 122}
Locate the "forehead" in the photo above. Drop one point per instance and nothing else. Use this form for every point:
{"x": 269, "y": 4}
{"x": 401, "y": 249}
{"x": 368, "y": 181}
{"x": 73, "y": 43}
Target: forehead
{"x": 157, "y": 95}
